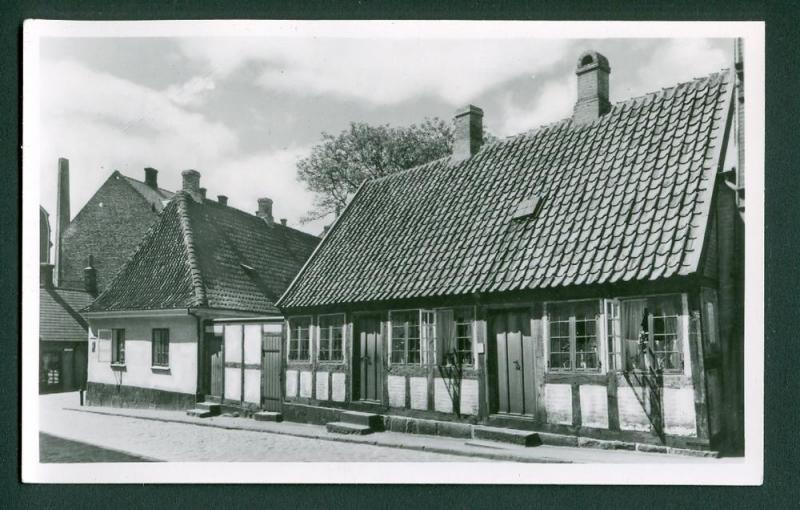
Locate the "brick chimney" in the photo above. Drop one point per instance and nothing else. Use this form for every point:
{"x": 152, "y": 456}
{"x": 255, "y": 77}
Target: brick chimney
{"x": 265, "y": 210}
{"x": 191, "y": 183}
{"x": 46, "y": 275}
{"x": 62, "y": 214}
{"x": 592, "y": 71}
{"x": 151, "y": 177}
{"x": 90, "y": 277}
{"x": 283, "y": 221}
{"x": 222, "y": 199}
{"x": 468, "y": 135}
{"x": 203, "y": 193}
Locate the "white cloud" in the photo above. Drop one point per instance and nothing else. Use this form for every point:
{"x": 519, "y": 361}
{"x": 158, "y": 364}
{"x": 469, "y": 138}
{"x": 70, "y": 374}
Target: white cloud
{"x": 679, "y": 60}
{"x": 192, "y": 92}
{"x": 101, "y": 123}
{"x": 381, "y": 71}
{"x": 554, "y": 101}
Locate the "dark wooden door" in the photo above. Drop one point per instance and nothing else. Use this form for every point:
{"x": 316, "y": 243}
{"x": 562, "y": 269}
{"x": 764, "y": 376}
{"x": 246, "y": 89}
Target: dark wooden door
{"x": 512, "y": 367}
{"x": 368, "y": 358}
{"x": 271, "y": 366}
{"x": 214, "y": 366}
{"x": 68, "y": 365}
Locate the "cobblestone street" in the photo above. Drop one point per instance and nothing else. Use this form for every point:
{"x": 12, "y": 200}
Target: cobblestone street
{"x": 183, "y": 442}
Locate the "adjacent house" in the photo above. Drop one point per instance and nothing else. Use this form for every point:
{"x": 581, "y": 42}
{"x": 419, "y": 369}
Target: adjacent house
{"x": 62, "y": 335}
{"x": 583, "y": 279}
{"x": 191, "y": 316}
{"x": 88, "y": 250}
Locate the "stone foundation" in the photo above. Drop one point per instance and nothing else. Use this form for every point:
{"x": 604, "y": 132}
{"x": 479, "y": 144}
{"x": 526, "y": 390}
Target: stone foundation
{"x": 111, "y": 395}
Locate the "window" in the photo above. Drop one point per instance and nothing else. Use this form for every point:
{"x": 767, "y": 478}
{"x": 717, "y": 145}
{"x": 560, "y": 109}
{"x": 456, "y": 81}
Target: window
{"x": 118, "y": 346}
{"x": 650, "y": 329}
{"x": 463, "y": 337}
{"x": 615, "y": 347}
{"x": 406, "y": 346}
{"x": 160, "y": 347}
{"x": 573, "y": 336}
{"x": 300, "y": 339}
{"x": 331, "y": 337}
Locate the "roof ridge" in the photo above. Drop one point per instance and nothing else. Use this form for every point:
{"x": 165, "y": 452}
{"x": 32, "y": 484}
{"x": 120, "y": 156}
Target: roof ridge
{"x": 181, "y": 198}
{"x": 157, "y": 188}
{"x": 667, "y": 90}
{"x": 209, "y": 201}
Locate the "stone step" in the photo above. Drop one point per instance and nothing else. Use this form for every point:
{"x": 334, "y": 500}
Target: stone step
{"x": 510, "y": 436}
{"x": 493, "y": 445}
{"x": 199, "y": 413}
{"x": 267, "y": 416}
{"x": 211, "y": 407}
{"x": 373, "y": 421}
{"x": 341, "y": 427}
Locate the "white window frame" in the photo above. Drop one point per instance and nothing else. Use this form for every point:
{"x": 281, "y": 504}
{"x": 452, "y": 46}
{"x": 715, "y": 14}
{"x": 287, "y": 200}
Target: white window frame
{"x": 319, "y": 338}
{"x": 600, "y": 334}
{"x": 289, "y": 334}
{"x": 391, "y": 339}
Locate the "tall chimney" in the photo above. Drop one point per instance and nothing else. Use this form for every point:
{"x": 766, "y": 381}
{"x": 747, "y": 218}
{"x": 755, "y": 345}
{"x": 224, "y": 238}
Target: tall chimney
{"x": 203, "y": 193}
{"x": 468, "y": 135}
{"x": 191, "y": 183}
{"x": 46, "y": 275}
{"x": 222, "y": 199}
{"x": 90, "y": 277}
{"x": 62, "y": 219}
{"x": 265, "y": 209}
{"x": 151, "y": 177}
{"x": 592, "y": 71}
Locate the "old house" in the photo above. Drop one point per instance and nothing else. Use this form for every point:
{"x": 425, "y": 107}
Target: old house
{"x": 191, "y": 316}
{"x": 108, "y": 227}
{"x": 578, "y": 280}
{"x": 88, "y": 250}
{"x": 62, "y": 335}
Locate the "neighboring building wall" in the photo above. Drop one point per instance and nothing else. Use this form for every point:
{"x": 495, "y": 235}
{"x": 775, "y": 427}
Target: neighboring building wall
{"x": 109, "y": 227}
{"x": 62, "y": 366}
{"x": 138, "y": 383}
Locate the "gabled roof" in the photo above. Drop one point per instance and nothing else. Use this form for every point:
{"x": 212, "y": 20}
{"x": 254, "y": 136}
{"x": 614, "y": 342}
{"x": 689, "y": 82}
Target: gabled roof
{"x": 624, "y": 198}
{"x": 156, "y": 196}
{"x": 59, "y": 320}
{"x": 207, "y": 255}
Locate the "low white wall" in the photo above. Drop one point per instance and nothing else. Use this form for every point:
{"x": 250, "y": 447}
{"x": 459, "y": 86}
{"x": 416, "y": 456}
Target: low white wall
{"x": 558, "y": 403}
{"x": 180, "y": 377}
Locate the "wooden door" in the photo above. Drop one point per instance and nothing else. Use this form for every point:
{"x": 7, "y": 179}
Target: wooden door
{"x": 368, "y": 358}
{"x": 271, "y": 367}
{"x": 68, "y": 365}
{"x": 214, "y": 366}
{"x": 512, "y": 367}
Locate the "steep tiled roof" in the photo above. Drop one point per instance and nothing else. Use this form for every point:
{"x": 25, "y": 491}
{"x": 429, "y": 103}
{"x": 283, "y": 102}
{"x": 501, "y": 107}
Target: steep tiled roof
{"x": 624, "y": 198}
{"x": 59, "y": 320}
{"x": 156, "y": 196}
{"x": 208, "y": 255}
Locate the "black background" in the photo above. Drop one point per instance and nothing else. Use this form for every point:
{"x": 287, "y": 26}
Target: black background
{"x": 780, "y": 489}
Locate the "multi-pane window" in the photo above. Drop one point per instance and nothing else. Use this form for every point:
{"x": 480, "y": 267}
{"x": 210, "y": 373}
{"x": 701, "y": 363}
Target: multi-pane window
{"x": 650, "y": 329}
{"x": 118, "y": 346}
{"x": 331, "y": 336}
{"x": 406, "y": 345}
{"x": 160, "y": 347}
{"x": 615, "y": 347}
{"x": 300, "y": 339}
{"x": 463, "y": 336}
{"x": 573, "y": 335}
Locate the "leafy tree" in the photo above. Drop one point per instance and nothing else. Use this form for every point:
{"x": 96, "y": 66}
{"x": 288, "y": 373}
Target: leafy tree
{"x": 339, "y": 164}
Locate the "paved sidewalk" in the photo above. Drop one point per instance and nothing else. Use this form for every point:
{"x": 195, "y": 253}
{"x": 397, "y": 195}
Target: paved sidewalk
{"x": 398, "y": 442}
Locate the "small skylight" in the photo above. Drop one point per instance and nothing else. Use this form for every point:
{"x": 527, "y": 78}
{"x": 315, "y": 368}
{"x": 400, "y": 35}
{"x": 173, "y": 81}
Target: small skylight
{"x": 528, "y": 208}
{"x": 246, "y": 267}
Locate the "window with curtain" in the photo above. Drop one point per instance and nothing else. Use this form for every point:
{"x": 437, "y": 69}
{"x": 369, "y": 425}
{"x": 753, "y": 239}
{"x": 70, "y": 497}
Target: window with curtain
{"x": 573, "y": 336}
{"x": 300, "y": 339}
{"x": 454, "y": 329}
{"x": 160, "y": 347}
{"x": 118, "y": 346}
{"x": 331, "y": 337}
{"x": 406, "y": 345}
{"x": 651, "y": 333}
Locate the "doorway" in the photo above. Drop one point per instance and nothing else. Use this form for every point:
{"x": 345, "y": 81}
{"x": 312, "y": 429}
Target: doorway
{"x": 511, "y": 363}
{"x": 368, "y": 359}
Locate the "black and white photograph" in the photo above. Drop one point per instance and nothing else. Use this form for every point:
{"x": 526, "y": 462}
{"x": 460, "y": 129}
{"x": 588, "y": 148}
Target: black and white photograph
{"x": 393, "y": 252}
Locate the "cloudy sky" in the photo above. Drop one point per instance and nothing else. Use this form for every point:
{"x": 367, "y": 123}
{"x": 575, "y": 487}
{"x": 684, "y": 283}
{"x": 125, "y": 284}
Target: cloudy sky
{"x": 243, "y": 110}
